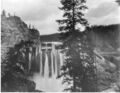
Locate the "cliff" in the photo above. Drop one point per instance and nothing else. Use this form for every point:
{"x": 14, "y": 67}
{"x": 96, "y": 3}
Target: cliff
{"x": 13, "y": 30}
{"x": 106, "y": 38}
{"x": 16, "y": 37}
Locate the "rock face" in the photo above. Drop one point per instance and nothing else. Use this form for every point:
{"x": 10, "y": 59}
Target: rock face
{"x": 13, "y": 30}
{"x": 106, "y": 41}
{"x": 106, "y": 38}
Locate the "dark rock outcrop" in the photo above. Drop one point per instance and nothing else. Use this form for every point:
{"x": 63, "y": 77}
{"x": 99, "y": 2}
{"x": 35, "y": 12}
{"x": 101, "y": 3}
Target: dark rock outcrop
{"x": 13, "y": 30}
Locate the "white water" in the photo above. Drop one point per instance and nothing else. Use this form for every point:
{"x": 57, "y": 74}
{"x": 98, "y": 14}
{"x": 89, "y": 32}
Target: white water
{"x": 46, "y": 83}
{"x": 46, "y": 67}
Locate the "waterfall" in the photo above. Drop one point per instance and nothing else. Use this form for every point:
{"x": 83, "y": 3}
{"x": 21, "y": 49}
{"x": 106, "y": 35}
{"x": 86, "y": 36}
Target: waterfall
{"x": 41, "y": 62}
{"x": 50, "y": 62}
{"x": 29, "y": 61}
{"x": 46, "y": 69}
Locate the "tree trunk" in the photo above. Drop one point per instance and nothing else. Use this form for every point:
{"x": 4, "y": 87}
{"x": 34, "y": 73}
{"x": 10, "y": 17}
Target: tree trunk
{"x": 74, "y": 84}
{"x": 73, "y": 19}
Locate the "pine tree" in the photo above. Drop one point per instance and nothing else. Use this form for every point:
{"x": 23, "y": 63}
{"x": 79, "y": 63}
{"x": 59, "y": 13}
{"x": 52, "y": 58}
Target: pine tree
{"x": 9, "y": 15}
{"x": 118, "y": 1}
{"x": 4, "y": 13}
{"x": 79, "y": 68}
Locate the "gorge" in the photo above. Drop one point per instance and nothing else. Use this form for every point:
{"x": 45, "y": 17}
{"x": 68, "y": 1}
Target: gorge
{"x": 45, "y": 58}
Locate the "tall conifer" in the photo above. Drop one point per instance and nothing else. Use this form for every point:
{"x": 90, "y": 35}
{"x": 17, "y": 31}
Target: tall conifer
{"x": 79, "y": 67}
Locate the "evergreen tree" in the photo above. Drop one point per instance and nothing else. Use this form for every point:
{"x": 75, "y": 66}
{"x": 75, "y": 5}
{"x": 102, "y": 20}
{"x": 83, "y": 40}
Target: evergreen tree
{"x": 4, "y": 13}
{"x": 79, "y": 67}
{"x": 9, "y": 14}
{"x": 118, "y": 1}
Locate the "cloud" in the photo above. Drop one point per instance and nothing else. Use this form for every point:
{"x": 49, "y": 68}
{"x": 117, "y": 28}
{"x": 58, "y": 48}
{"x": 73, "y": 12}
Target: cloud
{"x": 96, "y": 3}
{"x": 104, "y": 13}
{"x": 40, "y": 13}
{"x": 47, "y": 26}
{"x": 110, "y": 19}
{"x": 43, "y": 13}
{"x": 102, "y": 10}
{"x": 31, "y": 9}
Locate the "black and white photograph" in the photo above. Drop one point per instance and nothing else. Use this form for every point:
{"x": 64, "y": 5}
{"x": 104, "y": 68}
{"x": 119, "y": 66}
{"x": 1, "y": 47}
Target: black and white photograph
{"x": 60, "y": 46}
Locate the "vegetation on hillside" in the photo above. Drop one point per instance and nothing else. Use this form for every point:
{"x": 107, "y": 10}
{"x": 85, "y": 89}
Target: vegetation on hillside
{"x": 15, "y": 69}
{"x": 105, "y": 36}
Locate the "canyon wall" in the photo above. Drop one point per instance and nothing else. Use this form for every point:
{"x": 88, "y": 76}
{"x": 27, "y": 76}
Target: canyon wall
{"x": 13, "y": 30}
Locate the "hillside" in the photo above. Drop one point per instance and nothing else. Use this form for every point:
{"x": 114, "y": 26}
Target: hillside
{"x": 106, "y": 38}
{"x": 13, "y": 30}
{"x": 49, "y": 38}
{"x": 16, "y": 36}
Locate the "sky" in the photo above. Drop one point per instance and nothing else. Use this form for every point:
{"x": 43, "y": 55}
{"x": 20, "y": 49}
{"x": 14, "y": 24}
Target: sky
{"x": 44, "y": 13}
